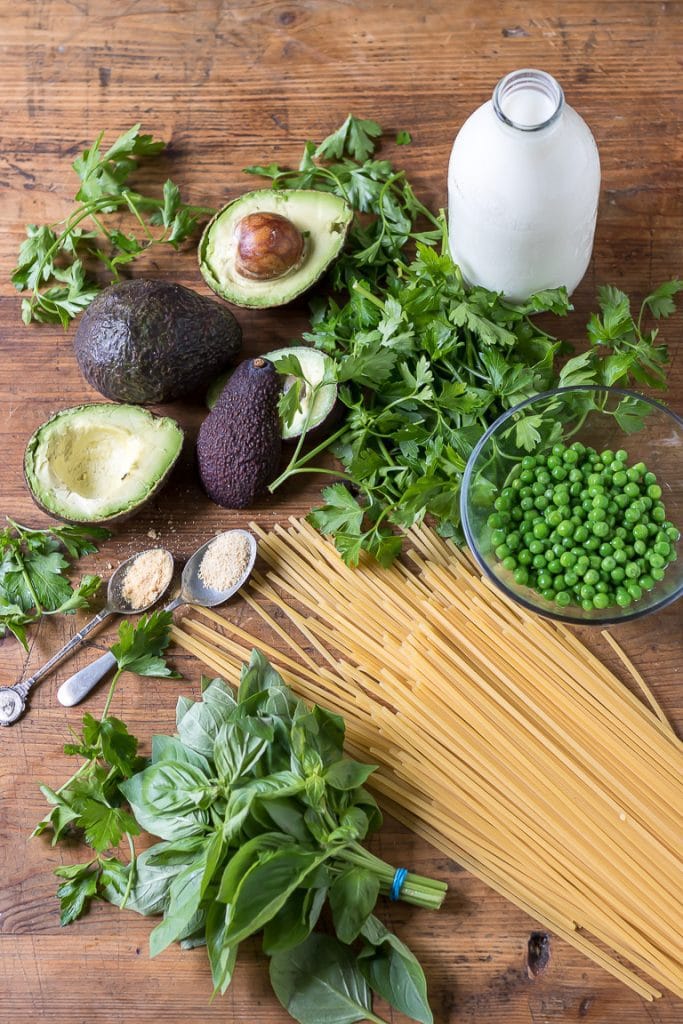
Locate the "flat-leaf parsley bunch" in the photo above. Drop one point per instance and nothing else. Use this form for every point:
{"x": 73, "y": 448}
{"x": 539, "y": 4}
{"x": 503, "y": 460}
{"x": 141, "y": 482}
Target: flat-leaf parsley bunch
{"x": 53, "y": 257}
{"x": 425, "y": 362}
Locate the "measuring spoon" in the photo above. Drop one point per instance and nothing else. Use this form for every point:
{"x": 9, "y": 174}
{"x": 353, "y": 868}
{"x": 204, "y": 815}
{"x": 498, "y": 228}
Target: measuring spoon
{"x": 13, "y": 698}
{"x": 193, "y": 590}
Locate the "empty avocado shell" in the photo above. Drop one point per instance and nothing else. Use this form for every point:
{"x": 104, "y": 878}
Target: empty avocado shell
{"x": 269, "y": 246}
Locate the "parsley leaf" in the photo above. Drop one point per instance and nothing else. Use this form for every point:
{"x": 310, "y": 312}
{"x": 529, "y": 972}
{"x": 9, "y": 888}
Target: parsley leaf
{"x": 50, "y": 263}
{"x": 140, "y": 647}
{"x": 32, "y": 580}
{"x": 354, "y": 138}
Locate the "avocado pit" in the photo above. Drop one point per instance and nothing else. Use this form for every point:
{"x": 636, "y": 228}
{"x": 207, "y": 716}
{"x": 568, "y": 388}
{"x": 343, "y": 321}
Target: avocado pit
{"x": 268, "y": 246}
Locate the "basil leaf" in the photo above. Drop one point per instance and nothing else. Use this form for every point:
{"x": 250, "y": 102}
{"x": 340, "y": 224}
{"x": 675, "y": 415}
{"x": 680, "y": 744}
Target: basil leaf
{"x": 155, "y": 870}
{"x": 166, "y": 824}
{"x": 201, "y": 723}
{"x": 222, "y": 957}
{"x": 236, "y": 750}
{"x": 244, "y": 859}
{"x": 169, "y": 748}
{"x": 318, "y": 982}
{"x": 183, "y": 905}
{"x": 352, "y": 898}
{"x": 266, "y": 887}
{"x": 393, "y": 972}
{"x": 348, "y": 774}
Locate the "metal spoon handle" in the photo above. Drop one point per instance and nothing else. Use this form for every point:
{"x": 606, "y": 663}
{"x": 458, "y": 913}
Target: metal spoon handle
{"x": 82, "y": 682}
{"x": 75, "y": 641}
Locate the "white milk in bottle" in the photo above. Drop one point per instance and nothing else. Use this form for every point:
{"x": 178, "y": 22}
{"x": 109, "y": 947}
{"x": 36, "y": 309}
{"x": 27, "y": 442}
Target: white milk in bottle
{"x": 523, "y": 186}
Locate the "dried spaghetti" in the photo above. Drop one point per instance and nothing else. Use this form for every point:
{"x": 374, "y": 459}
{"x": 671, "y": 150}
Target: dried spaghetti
{"x": 500, "y": 738}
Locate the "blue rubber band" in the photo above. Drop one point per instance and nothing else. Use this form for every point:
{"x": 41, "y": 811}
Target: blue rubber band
{"x": 397, "y": 884}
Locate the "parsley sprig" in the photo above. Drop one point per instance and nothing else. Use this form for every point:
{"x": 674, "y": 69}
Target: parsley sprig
{"x": 424, "y": 362}
{"x": 51, "y": 258}
{"x": 387, "y": 208}
{"x": 32, "y": 580}
{"x": 90, "y": 803}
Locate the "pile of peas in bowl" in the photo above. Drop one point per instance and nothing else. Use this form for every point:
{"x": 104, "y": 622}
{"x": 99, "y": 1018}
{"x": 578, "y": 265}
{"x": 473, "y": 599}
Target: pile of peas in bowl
{"x": 583, "y": 527}
{"x": 572, "y": 502}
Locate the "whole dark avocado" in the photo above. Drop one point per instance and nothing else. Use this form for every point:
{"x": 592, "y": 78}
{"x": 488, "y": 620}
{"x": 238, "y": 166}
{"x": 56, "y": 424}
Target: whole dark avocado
{"x": 239, "y": 443}
{"x": 154, "y": 341}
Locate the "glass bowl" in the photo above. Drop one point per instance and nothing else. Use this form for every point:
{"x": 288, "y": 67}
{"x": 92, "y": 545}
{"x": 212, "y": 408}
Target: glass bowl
{"x": 601, "y": 418}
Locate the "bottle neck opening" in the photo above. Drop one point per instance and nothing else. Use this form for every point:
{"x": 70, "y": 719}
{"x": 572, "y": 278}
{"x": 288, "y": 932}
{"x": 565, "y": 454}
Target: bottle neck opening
{"x": 528, "y": 100}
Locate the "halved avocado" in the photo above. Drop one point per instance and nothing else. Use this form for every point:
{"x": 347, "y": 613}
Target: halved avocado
{"x": 266, "y": 247}
{"x": 326, "y": 406}
{"x": 99, "y": 463}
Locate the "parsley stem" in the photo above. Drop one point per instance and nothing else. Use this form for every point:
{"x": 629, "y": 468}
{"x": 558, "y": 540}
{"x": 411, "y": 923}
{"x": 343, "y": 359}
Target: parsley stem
{"x": 110, "y": 695}
{"x": 295, "y": 467}
{"x": 136, "y": 213}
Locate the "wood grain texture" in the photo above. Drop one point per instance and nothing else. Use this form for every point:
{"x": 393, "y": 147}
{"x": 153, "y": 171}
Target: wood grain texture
{"x": 230, "y": 84}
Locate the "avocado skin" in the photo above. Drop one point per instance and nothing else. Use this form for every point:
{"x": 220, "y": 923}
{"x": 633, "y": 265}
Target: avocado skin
{"x": 154, "y": 341}
{"x": 239, "y": 443}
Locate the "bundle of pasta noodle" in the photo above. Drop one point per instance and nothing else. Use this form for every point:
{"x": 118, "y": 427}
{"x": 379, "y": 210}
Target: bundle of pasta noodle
{"x": 500, "y": 738}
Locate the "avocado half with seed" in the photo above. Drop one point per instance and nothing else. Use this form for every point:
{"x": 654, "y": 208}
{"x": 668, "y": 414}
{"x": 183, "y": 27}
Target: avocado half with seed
{"x": 100, "y": 463}
{"x": 266, "y": 247}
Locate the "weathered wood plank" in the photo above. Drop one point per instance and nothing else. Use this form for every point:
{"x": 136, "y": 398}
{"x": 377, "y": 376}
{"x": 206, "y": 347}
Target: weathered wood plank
{"x": 230, "y": 84}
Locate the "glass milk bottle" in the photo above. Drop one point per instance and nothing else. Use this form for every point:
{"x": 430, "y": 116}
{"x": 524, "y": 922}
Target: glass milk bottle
{"x": 523, "y": 185}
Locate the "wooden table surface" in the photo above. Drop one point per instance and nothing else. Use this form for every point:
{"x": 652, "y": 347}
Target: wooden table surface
{"x": 231, "y": 84}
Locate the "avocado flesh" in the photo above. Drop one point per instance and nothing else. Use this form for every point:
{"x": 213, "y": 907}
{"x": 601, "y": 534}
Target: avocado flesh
{"x": 154, "y": 341}
{"x": 321, "y": 217}
{"x": 98, "y": 463}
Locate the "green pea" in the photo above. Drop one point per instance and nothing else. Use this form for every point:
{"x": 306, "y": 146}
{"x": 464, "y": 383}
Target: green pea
{"x": 524, "y": 556}
{"x": 548, "y": 593}
{"x": 565, "y": 528}
{"x": 587, "y": 592}
{"x": 544, "y": 580}
{"x": 656, "y": 561}
{"x": 608, "y": 563}
{"x": 657, "y": 573}
{"x": 634, "y": 590}
{"x": 632, "y": 570}
{"x": 563, "y": 597}
{"x": 541, "y": 530}
{"x": 618, "y": 574}
{"x": 509, "y": 563}
{"x": 658, "y": 514}
{"x": 570, "y": 579}
{"x": 591, "y": 577}
{"x": 502, "y": 551}
{"x": 600, "y": 529}
{"x": 623, "y": 598}
{"x": 646, "y": 581}
{"x": 620, "y": 478}
{"x": 601, "y": 600}
{"x": 539, "y": 562}
{"x": 581, "y": 534}
{"x": 640, "y": 531}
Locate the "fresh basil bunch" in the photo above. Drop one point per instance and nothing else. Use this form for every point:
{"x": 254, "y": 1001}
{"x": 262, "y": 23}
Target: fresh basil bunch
{"x": 261, "y": 817}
